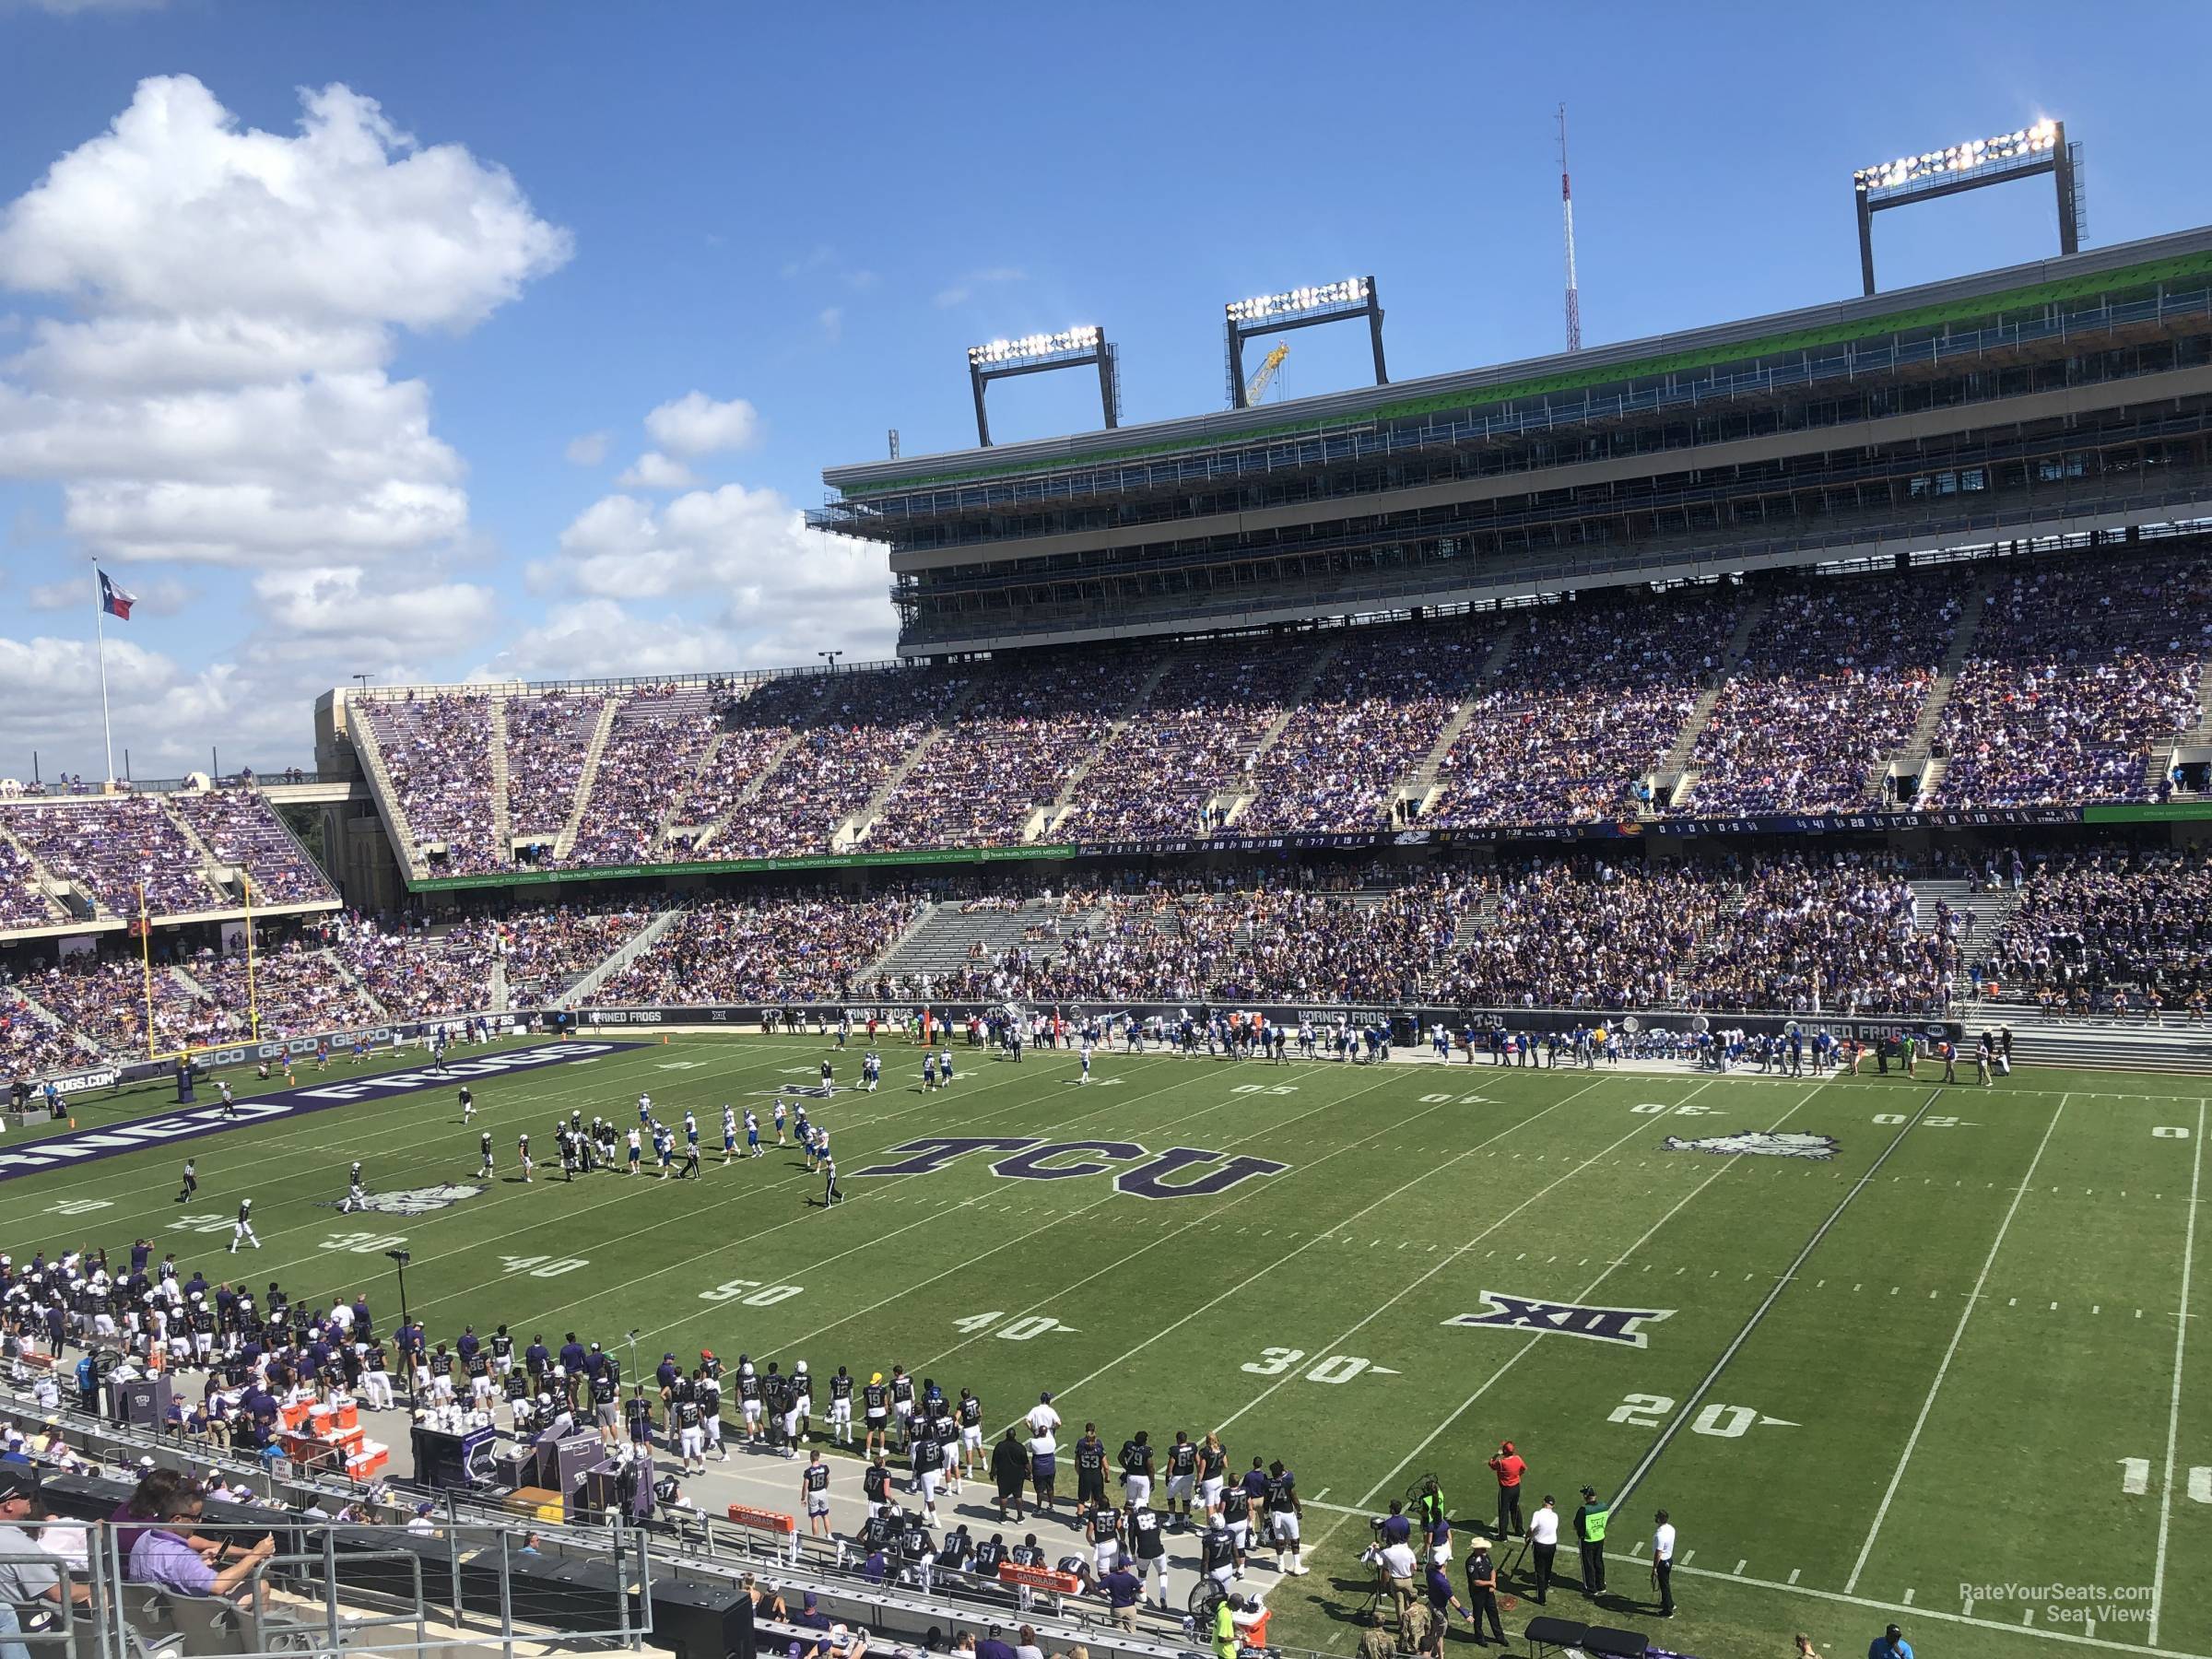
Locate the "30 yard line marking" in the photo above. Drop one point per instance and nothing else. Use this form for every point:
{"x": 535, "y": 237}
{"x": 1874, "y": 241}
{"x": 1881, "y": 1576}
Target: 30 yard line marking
{"x": 2174, "y": 1403}
{"x": 1409, "y": 1288}
{"x": 1255, "y": 1277}
{"x": 1698, "y": 1394}
{"x": 1897, "y": 1476}
{"x": 1591, "y": 1290}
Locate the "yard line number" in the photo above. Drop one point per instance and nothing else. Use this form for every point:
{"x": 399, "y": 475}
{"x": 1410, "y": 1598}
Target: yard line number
{"x": 751, "y": 1292}
{"x": 1723, "y": 1422}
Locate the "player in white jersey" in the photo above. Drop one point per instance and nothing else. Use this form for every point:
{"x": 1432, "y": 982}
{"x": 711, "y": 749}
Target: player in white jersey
{"x": 781, "y": 1112}
{"x": 637, "y": 1152}
{"x": 871, "y": 1069}
{"x": 1086, "y": 1076}
{"x": 644, "y": 1109}
{"x": 729, "y": 1134}
{"x": 945, "y": 1064}
{"x": 243, "y": 1233}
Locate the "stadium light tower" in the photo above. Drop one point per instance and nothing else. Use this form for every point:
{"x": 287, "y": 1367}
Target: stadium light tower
{"x": 1034, "y": 354}
{"x": 1997, "y": 159}
{"x": 1300, "y": 308}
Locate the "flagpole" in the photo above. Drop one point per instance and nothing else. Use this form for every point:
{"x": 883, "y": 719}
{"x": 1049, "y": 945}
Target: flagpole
{"x": 253, "y": 1002}
{"x": 146, "y": 962}
{"x": 100, "y": 633}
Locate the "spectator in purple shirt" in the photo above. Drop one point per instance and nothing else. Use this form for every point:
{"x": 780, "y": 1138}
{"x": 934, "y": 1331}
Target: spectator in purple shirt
{"x": 167, "y": 1556}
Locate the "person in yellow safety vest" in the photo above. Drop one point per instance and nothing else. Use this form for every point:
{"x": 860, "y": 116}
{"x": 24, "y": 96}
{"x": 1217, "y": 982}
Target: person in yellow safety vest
{"x": 1225, "y": 1626}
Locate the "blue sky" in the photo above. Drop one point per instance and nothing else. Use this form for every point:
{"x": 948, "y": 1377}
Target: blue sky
{"x": 362, "y": 396}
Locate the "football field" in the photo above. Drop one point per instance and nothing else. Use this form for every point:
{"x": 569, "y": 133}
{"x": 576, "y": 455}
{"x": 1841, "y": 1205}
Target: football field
{"x": 1884, "y": 1350}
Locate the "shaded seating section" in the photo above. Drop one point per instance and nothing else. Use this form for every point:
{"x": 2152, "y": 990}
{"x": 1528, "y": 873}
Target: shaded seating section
{"x": 239, "y": 827}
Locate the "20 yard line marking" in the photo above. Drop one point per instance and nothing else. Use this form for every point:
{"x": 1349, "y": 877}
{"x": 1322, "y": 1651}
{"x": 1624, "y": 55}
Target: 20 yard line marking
{"x": 2174, "y": 1404}
{"x": 1913, "y": 1440}
{"x": 1689, "y": 1405}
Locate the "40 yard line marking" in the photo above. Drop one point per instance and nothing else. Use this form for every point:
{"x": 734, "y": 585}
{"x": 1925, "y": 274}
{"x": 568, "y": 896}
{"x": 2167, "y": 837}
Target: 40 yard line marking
{"x": 2174, "y": 1404}
{"x": 1973, "y": 1298}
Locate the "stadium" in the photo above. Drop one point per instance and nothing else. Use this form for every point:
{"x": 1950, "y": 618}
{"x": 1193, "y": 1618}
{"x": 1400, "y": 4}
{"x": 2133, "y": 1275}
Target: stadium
{"x": 1637, "y": 915}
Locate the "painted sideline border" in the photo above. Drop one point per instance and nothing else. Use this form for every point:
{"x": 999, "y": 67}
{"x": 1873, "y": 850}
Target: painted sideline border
{"x": 202, "y": 1121}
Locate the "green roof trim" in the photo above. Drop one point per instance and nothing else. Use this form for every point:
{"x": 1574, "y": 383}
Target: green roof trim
{"x": 731, "y": 867}
{"x": 1571, "y": 380}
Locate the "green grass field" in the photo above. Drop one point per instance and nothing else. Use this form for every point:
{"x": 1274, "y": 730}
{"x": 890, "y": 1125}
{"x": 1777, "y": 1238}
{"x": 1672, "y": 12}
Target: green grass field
{"x": 1953, "y": 1354}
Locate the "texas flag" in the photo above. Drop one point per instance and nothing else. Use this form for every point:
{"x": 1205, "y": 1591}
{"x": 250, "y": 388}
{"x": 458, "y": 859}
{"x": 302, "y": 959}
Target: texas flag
{"x": 113, "y": 600}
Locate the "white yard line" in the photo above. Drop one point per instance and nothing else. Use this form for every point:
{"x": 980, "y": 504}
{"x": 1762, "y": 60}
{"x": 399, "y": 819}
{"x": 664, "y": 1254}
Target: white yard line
{"x": 1973, "y": 1299}
{"x": 1251, "y": 1279}
{"x": 2174, "y": 1404}
{"x": 1789, "y": 1277}
{"x": 1336, "y": 1344}
{"x": 1847, "y": 1599}
{"x": 1619, "y": 1261}
{"x": 1211, "y": 1218}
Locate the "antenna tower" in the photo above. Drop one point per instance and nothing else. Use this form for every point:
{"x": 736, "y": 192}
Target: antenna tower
{"x": 1574, "y": 296}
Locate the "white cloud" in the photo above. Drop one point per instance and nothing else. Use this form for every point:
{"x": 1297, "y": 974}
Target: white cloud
{"x": 349, "y": 602}
{"x": 591, "y": 448}
{"x": 598, "y": 636}
{"x": 696, "y": 424}
{"x": 220, "y": 392}
{"x": 833, "y": 322}
{"x": 783, "y": 591}
{"x": 653, "y": 470}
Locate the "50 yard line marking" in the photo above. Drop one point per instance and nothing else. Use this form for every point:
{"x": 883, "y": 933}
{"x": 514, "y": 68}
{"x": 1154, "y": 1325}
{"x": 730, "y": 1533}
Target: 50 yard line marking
{"x": 2174, "y": 1404}
{"x": 1973, "y": 1299}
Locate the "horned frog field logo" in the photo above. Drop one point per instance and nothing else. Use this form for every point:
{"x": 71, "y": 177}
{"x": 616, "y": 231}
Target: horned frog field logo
{"x": 412, "y": 1201}
{"x": 1764, "y": 1142}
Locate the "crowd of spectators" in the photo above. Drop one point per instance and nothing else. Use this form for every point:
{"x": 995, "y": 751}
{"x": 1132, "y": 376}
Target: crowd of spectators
{"x": 1832, "y": 685}
{"x": 1192, "y": 741}
{"x": 415, "y": 972}
{"x": 1794, "y": 933}
{"x": 765, "y": 949}
{"x": 112, "y": 847}
{"x": 755, "y": 730}
{"x": 30, "y": 1043}
{"x": 548, "y": 738}
{"x": 1197, "y": 940}
{"x": 652, "y": 751}
{"x": 1012, "y": 749}
{"x": 437, "y": 751}
{"x": 22, "y": 903}
{"x": 2077, "y": 671}
{"x": 1592, "y": 699}
{"x": 2105, "y": 921}
{"x": 864, "y": 726}
{"x": 293, "y": 991}
{"x": 107, "y": 1002}
{"x": 546, "y": 951}
{"x": 1377, "y": 710}
{"x": 239, "y": 827}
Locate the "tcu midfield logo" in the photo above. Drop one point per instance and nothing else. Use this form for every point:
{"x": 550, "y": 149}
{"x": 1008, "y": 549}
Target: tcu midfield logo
{"x": 1564, "y": 1319}
{"x": 1035, "y": 1160}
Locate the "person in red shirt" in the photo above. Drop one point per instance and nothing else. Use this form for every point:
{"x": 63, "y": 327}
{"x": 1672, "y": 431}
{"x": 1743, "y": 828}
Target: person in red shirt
{"x": 1508, "y": 1468}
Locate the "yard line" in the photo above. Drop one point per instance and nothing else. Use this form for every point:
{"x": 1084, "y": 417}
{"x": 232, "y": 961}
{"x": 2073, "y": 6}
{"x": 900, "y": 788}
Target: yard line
{"x": 1056, "y": 1218}
{"x": 1252, "y": 1192}
{"x": 1591, "y": 1290}
{"x": 1118, "y": 1103}
{"x": 1759, "y": 1313}
{"x": 1843, "y": 1598}
{"x": 1253, "y": 1278}
{"x": 1974, "y": 1297}
{"x": 1335, "y": 1343}
{"x": 2174, "y": 1404}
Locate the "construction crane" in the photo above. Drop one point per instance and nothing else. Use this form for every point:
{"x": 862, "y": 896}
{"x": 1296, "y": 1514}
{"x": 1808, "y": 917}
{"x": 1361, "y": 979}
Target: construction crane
{"x": 1259, "y": 382}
